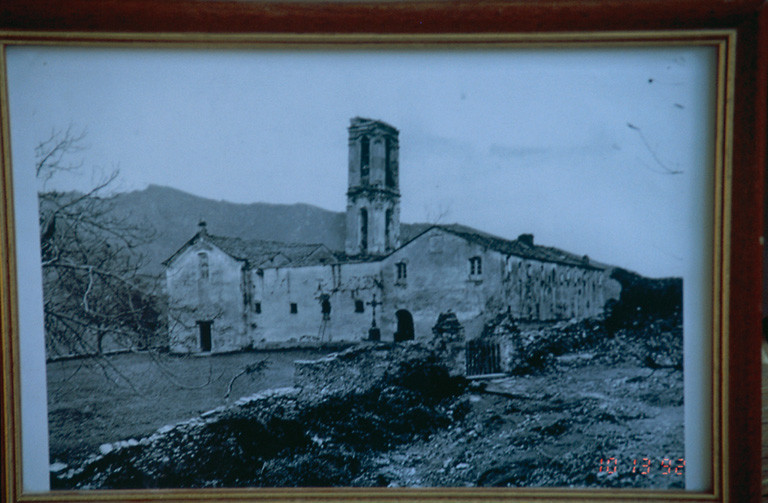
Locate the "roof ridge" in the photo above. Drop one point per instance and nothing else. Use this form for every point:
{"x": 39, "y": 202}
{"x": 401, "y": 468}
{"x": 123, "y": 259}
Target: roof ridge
{"x": 265, "y": 241}
{"x": 520, "y": 247}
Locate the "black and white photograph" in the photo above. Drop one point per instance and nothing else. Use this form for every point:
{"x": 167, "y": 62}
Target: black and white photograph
{"x": 368, "y": 268}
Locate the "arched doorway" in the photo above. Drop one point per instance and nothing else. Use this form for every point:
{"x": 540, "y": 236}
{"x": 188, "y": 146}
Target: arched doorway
{"x": 404, "y": 326}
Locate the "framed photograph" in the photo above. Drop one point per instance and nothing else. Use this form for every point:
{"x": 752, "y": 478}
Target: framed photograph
{"x": 271, "y": 251}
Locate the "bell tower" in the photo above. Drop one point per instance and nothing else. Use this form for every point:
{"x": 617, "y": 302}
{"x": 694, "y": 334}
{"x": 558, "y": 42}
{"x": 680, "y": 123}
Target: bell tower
{"x": 373, "y": 196}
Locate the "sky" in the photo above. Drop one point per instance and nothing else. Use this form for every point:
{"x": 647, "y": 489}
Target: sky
{"x": 603, "y": 152}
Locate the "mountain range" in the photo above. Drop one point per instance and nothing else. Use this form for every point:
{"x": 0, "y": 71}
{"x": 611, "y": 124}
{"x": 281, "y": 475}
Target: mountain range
{"x": 174, "y": 215}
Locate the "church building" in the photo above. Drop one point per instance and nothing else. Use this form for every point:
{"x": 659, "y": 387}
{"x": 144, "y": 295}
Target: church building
{"x": 227, "y": 293}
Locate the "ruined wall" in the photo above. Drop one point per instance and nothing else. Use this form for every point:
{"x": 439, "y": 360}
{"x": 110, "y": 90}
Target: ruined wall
{"x": 549, "y": 291}
{"x": 359, "y": 368}
{"x": 205, "y": 284}
{"x": 353, "y": 370}
{"x": 346, "y": 287}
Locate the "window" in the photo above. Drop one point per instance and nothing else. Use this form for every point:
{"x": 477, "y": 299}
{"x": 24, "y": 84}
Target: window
{"x": 402, "y": 271}
{"x": 359, "y": 306}
{"x": 257, "y": 307}
{"x": 203, "y": 264}
{"x": 204, "y": 327}
{"x": 294, "y": 308}
{"x": 475, "y": 266}
{"x": 388, "y": 228}
{"x": 325, "y": 307}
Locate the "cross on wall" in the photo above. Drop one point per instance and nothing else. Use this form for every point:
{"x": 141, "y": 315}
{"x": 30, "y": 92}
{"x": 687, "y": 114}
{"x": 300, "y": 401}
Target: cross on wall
{"x": 373, "y": 303}
{"x": 374, "y": 334}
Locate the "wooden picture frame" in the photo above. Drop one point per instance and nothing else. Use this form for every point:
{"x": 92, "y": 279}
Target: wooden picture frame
{"x": 737, "y": 30}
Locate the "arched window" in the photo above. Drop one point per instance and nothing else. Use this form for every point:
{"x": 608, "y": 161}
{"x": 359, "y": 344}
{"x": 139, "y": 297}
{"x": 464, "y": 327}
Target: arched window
{"x": 363, "y": 230}
{"x": 388, "y": 228}
{"x": 401, "y": 270}
{"x": 389, "y": 173}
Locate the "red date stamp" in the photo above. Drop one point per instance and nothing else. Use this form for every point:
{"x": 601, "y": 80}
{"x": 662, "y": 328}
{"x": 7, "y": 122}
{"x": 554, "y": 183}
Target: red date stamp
{"x": 643, "y": 466}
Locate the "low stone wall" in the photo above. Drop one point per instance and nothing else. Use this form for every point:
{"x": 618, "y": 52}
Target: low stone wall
{"x": 352, "y": 370}
{"x": 359, "y": 368}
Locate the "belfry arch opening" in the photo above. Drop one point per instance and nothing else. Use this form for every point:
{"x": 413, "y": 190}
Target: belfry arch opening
{"x": 365, "y": 159}
{"x": 363, "y": 230}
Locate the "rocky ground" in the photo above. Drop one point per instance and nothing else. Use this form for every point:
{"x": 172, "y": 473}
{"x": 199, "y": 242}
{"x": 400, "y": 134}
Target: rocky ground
{"x": 552, "y": 429}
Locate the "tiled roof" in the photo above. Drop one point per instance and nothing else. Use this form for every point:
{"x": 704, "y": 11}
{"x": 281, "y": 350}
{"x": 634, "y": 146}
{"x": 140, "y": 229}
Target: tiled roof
{"x": 258, "y": 251}
{"x": 520, "y": 247}
{"x": 262, "y": 252}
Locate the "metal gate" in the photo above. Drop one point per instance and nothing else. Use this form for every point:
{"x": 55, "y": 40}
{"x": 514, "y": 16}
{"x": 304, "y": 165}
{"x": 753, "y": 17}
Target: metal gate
{"x": 483, "y": 357}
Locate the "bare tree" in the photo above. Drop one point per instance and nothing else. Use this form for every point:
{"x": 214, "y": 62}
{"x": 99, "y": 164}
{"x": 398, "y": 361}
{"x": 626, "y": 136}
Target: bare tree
{"x": 94, "y": 294}
{"x": 96, "y": 299}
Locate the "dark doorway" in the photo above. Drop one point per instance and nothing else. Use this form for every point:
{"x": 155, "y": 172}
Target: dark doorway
{"x": 205, "y": 335}
{"x": 404, "y": 326}
{"x": 325, "y": 307}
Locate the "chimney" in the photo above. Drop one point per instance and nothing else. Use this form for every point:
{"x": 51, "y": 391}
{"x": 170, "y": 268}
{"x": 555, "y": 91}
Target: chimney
{"x": 526, "y": 239}
{"x": 203, "y": 232}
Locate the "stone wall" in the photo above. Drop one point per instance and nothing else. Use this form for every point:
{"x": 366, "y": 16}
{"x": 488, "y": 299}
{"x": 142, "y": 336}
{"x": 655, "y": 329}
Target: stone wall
{"x": 352, "y": 370}
{"x": 344, "y": 286}
{"x": 359, "y": 368}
